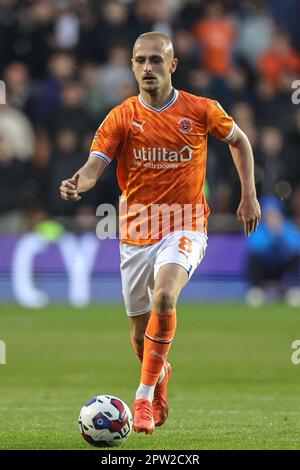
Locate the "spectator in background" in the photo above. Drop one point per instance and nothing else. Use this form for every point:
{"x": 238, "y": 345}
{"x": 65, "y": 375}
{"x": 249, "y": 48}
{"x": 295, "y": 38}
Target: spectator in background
{"x": 270, "y": 160}
{"x": 18, "y": 132}
{"x": 216, "y": 36}
{"x": 280, "y": 57}
{"x": 274, "y": 256}
{"x": 145, "y": 16}
{"x": 255, "y": 31}
{"x": 8, "y": 27}
{"x": 161, "y": 15}
{"x": 265, "y": 101}
{"x": 287, "y": 14}
{"x": 19, "y": 88}
{"x": 65, "y": 158}
{"x": 71, "y": 112}
{"x": 115, "y": 74}
{"x": 236, "y": 87}
{"x": 188, "y": 14}
{"x": 32, "y": 41}
{"x": 113, "y": 28}
{"x": 61, "y": 69}
{"x": 87, "y": 48}
{"x": 292, "y": 151}
{"x": 200, "y": 82}
{"x": 187, "y": 54}
{"x": 66, "y": 29}
{"x": 13, "y": 175}
{"x": 95, "y": 101}
{"x": 295, "y": 204}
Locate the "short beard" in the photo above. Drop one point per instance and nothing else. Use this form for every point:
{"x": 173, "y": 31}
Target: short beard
{"x": 150, "y": 88}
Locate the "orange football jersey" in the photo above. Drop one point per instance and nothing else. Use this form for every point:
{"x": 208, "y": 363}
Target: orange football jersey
{"x": 161, "y": 164}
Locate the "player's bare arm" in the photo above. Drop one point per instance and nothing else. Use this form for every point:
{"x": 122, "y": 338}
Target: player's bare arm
{"x": 83, "y": 180}
{"x": 249, "y": 209}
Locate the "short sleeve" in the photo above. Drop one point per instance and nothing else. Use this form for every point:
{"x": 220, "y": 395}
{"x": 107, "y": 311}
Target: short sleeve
{"x": 108, "y": 137}
{"x": 219, "y": 123}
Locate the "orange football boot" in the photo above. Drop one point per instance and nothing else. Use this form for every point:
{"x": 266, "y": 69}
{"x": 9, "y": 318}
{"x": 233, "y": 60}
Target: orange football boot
{"x": 143, "y": 416}
{"x": 160, "y": 405}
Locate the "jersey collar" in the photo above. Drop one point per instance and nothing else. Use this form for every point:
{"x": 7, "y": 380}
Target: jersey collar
{"x": 166, "y": 106}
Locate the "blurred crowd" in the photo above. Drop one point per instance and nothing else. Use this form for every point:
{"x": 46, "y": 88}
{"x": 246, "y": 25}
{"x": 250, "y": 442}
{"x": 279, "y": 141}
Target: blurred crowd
{"x": 66, "y": 63}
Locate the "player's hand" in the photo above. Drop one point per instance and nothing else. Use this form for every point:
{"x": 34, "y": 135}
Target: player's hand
{"x": 68, "y": 189}
{"x": 249, "y": 212}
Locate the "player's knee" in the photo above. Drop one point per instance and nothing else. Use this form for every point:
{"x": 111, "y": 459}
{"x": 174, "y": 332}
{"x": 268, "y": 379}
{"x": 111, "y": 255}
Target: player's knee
{"x": 164, "y": 301}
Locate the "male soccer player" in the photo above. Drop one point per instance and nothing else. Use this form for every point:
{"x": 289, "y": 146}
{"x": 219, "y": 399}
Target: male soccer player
{"x": 160, "y": 141}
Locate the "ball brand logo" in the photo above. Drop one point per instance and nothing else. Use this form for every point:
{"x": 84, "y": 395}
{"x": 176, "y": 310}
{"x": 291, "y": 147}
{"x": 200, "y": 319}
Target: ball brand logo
{"x": 185, "y": 125}
{"x": 153, "y": 154}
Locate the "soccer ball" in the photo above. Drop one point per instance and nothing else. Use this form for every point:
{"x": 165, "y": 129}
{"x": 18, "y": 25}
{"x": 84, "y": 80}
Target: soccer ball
{"x": 105, "y": 421}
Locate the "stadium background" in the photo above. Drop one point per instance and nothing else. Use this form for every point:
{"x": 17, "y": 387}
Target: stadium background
{"x": 64, "y": 65}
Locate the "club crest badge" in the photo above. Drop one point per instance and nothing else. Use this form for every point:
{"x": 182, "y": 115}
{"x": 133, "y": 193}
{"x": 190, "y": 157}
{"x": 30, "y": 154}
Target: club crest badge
{"x": 185, "y": 125}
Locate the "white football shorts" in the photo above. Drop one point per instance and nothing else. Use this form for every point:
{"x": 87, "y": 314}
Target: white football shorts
{"x": 141, "y": 263}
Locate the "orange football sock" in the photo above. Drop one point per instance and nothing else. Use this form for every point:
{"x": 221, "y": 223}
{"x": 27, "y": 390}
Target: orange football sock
{"x": 139, "y": 349}
{"x": 158, "y": 338}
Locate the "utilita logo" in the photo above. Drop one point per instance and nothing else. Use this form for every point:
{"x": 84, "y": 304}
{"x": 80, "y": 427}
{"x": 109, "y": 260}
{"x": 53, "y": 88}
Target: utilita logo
{"x": 153, "y": 154}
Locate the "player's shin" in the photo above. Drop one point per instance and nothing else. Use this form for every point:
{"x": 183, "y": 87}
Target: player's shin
{"x": 158, "y": 338}
{"x": 138, "y": 348}
{"x": 139, "y": 352}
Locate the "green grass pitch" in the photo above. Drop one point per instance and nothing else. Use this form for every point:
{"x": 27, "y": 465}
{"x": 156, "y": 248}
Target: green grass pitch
{"x": 233, "y": 385}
